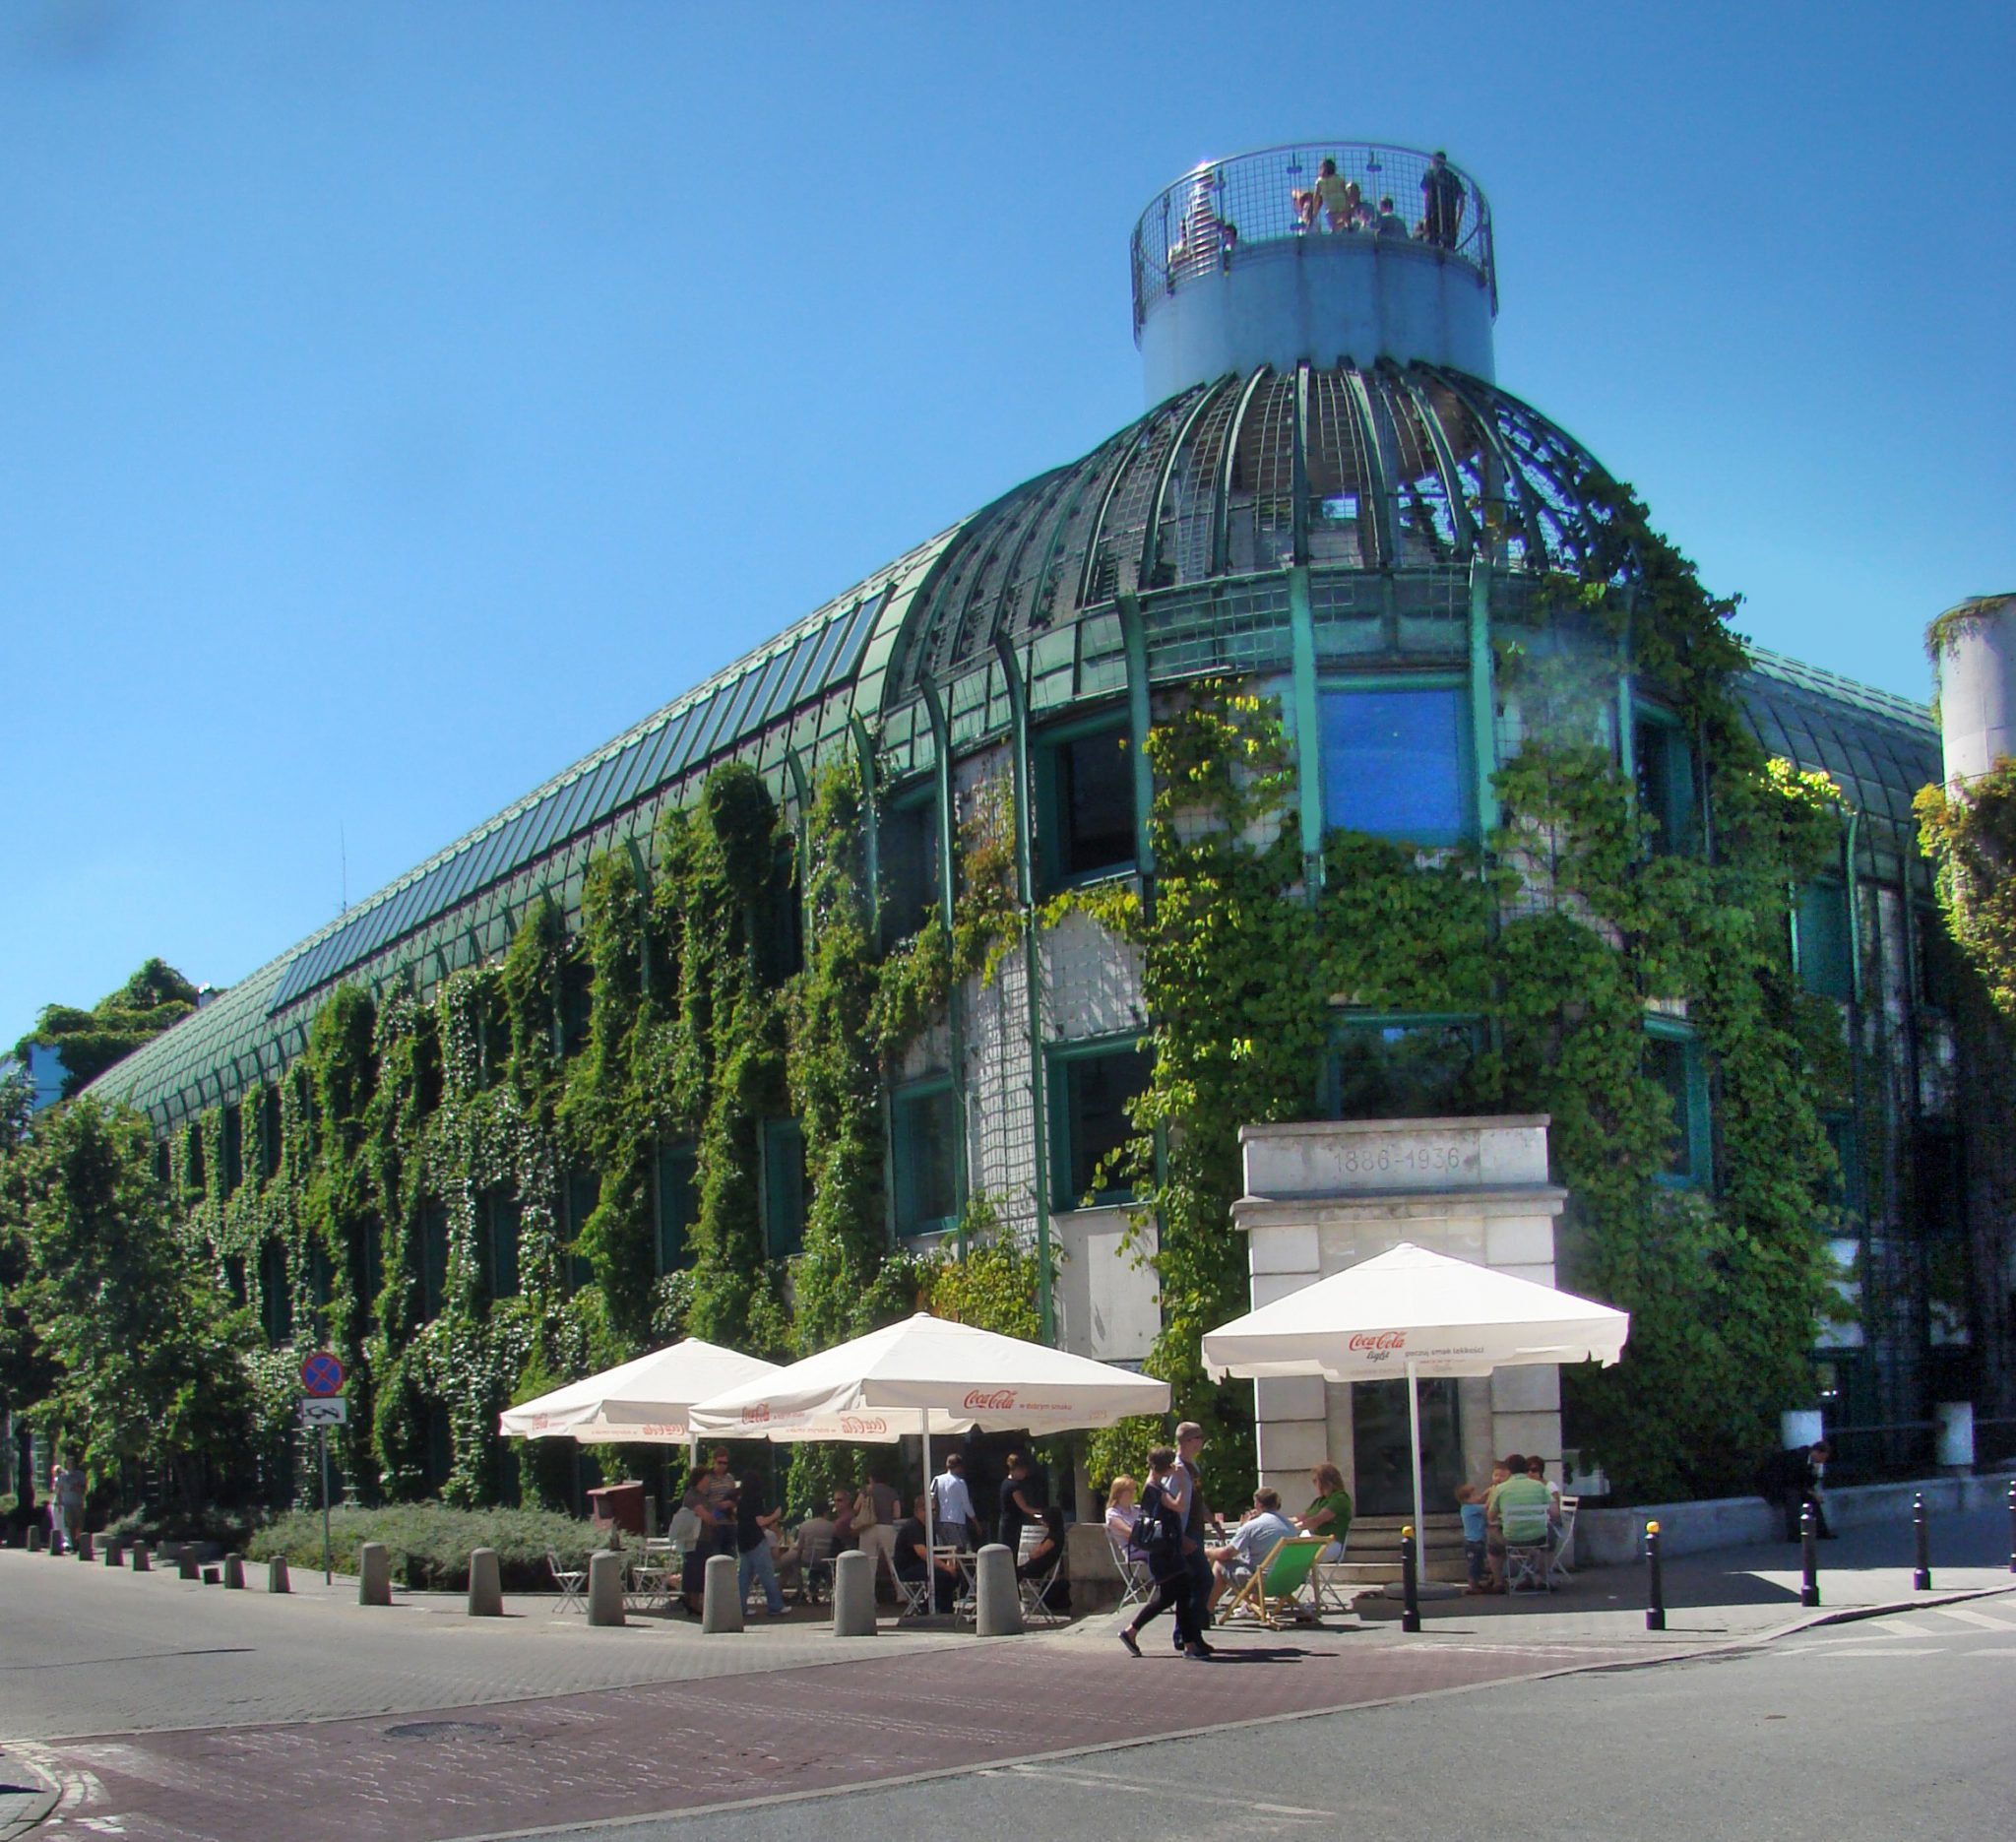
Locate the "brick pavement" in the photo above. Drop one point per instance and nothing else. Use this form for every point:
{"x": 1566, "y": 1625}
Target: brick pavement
{"x": 499, "y": 1767}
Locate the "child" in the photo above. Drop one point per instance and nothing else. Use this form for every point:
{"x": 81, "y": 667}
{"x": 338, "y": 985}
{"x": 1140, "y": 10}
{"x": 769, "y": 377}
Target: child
{"x": 1471, "y": 1501}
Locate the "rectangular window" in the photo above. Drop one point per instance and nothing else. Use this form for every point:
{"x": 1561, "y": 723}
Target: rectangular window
{"x": 1938, "y": 959}
{"x": 577, "y": 1006}
{"x": 784, "y": 1187}
{"x": 160, "y": 1161}
{"x": 1825, "y": 964}
{"x": 497, "y": 1239}
{"x": 1844, "y": 1193}
{"x": 1672, "y": 1059}
{"x": 366, "y": 1258}
{"x": 1090, "y": 1093}
{"x": 907, "y": 865}
{"x": 235, "y": 1278}
{"x": 433, "y": 1259}
{"x": 269, "y": 1132}
{"x": 925, "y": 1129}
{"x": 678, "y": 1206}
{"x": 1397, "y": 763}
{"x": 192, "y": 1160}
{"x": 1665, "y": 763}
{"x": 321, "y": 1276}
{"x": 1084, "y": 787}
{"x": 234, "y": 1148}
{"x": 584, "y": 1195}
{"x": 275, "y": 1301}
{"x": 783, "y": 919}
{"x": 1402, "y": 1067}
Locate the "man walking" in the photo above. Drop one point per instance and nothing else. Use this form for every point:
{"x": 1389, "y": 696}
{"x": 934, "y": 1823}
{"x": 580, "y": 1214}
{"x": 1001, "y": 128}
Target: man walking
{"x": 952, "y": 1504}
{"x": 1184, "y": 1495}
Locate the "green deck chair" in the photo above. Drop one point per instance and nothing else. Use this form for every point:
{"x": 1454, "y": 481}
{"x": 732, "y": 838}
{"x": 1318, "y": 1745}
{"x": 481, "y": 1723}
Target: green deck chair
{"x": 1270, "y": 1593}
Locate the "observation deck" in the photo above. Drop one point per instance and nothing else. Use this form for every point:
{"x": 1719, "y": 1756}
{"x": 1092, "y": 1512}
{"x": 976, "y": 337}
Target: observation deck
{"x": 1324, "y": 252}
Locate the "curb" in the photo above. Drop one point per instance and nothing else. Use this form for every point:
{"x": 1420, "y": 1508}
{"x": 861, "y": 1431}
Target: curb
{"x": 37, "y": 1805}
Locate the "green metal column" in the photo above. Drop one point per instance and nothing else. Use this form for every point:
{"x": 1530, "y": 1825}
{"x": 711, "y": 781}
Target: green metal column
{"x": 1134, "y": 645}
{"x": 1309, "y": 726}
{"x": 1483, "y": 704}
{"x": 864, "y": 754}
{"x": 1032, "y": 961}
{"x": 954, "y": 1003}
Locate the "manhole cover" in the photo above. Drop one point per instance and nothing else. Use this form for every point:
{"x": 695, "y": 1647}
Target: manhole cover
{"x": 444, "y": 1730}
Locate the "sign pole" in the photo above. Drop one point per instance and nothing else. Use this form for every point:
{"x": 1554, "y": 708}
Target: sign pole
{"x": 322, "y": 1435}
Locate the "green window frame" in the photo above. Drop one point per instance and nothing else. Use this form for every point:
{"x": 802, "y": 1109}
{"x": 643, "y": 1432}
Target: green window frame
{"x": 1672, "y": 1059}
{"x": 1663, "y": 763}
{"x": 1089, "y": 1086}
{"x": 925, "y": 1130}
{"x": 1379, "y": 738}
{"x": 1826, "y": 960}
{"x": 433, "y": 1259}
{"x": 276, "y": 1299}
{"x": 909, "y": 853}
{"x": 497, "y": 1239}
{"x": 1400, "y": 1065}
{"x": 1087, "y": 826}
{"x": 783, "y": 1199}
{"x": 676, "y": 1203}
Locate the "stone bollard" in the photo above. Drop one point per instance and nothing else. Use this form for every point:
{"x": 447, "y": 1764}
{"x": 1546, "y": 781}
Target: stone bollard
{"x": 115, "y": 1552}
{"x": 186, "y": 1566}
{"x": 720, "y": 1606}
{"x": 34, "y": 1538}
{"x": 86, "y": 1549}
{"x": 374, "y": 1574}
{"x": 235, "y": 1572}
{"x": 486, "y": 1584}
{"x": 143, "y": 1562}
{"x": 605, "y": 1587}
{"x": 854, "y": 1595}
{"x": 997, "y": 1600}
{"x": 276, "y": 1580}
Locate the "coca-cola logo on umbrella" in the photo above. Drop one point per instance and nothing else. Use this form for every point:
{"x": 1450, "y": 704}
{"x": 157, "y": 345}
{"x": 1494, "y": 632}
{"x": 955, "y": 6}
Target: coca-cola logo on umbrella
{"x": 859, "y": 1426}
{"x": 1377, "y": 1346}
{"x": 755, "y": 1415}
{"x": 988, "y": 1400}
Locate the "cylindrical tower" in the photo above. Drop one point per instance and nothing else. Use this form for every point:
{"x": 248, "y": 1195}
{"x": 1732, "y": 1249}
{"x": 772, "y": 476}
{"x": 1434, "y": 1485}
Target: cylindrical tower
{"x": 1325, "y": 252}
{"x": 1974, "y": 654}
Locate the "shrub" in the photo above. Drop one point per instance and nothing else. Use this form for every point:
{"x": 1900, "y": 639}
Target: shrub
{"x": 430, "y": 1542}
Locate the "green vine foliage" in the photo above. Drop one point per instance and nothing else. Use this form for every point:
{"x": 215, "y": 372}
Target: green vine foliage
{"x": 1970, "y": 835}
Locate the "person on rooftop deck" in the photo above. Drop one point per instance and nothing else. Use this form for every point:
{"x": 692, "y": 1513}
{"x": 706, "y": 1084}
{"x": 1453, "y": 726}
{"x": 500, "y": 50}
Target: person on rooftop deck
{"x": 1441, "y": 201}
{"x": 1389, "y": 223}
{"x": 1336, "y": 196}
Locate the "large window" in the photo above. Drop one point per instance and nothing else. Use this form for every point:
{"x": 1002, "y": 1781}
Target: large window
{"x": 784, "y": 1187}
{"x": 1085, "y": 783}
{"x": 1090, "y": 1092}
{"x": 1825, "y": 963}
{"x": 678, "y": 1206}
{"x": 234, "y": 1148}
{"x": 497, "y": 1241}
{"x": 1397, "y": 763}
{"x": 1401, "y": 1067}
{"x": 924, "y": 1131}
{"x": 907, "y": 848}
{"x": 577, "y": 1006}
{"x": 1664, "y": 762}
{"x": 276, "y": 1299}
{"x": 1672, "y": 1059}
{"x": 433, "y": 1257}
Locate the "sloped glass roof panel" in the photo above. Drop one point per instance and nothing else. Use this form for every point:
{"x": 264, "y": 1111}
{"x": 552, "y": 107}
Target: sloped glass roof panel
{"x": 820, "y": 672}
{"x": 766, "y": 704}
{"x": 794, "y": 686}
{"x": 857, "y": 637}
{"x": 700, "y": 744}
{"x": 737, "y": 700}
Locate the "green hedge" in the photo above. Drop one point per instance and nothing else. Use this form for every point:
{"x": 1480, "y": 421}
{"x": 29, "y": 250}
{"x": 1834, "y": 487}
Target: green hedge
{"x": 431, "y": 1543}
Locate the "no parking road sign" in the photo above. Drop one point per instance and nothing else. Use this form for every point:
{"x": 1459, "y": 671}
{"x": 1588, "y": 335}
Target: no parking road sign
{"x": 322, "y": 1373}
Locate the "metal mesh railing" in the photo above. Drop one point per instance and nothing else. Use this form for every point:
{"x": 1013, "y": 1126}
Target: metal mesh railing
{"x": 1336, "y": 188}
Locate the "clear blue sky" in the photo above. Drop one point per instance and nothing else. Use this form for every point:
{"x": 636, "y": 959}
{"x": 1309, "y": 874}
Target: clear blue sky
{"x": 399, "y": 400}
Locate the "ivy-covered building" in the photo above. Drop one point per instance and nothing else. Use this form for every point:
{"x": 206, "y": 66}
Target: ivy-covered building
{"x": 1337, "y": 739}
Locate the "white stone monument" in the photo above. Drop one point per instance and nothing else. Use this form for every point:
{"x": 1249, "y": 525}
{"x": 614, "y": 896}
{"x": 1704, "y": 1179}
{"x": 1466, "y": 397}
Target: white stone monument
{"x": 1323, "y": 1195}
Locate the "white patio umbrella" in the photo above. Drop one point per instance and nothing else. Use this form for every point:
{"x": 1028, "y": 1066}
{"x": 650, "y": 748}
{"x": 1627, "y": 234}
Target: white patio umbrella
{"x": 644, "y": 1402}
{"x": 925, "y": 1375}
{"x": 1421, "y": 1312}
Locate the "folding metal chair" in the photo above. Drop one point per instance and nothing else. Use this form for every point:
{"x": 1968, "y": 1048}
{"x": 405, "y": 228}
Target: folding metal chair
{"x": 1528, "y": 1547}
{"x": 1137, "y": 1583}
{"x": 570, "y": 1581}
{"x": 1561, "y": 1559}
{"x": 1332, "y": 1587}
{"x": 1036, "y": 1589}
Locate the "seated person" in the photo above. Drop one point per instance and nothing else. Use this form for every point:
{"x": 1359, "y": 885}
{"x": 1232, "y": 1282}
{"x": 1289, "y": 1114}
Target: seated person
{"x": 1389, "y": 223}
{"x": 842, "y": 1520}
{"x": 910, "y": 1561}
{"x": 811, "y": 1545}
{"x": 1250, "y": 1545}
{"x": 1121, "y": 1513}
{"x": 684, "y": 1531}
{"x": 1048, "y": 1553}
{"x": 1513, "y": 1490}
{"x": 1329, "y": 1511}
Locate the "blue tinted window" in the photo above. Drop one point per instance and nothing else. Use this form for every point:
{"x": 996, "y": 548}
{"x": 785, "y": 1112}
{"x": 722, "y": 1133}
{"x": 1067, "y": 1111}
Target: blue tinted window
{"x": 1397, "y": 763}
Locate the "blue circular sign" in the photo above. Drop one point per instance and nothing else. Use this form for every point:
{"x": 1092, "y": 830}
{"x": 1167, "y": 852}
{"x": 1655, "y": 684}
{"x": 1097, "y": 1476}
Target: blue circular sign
{"x": 322, "y": 1373}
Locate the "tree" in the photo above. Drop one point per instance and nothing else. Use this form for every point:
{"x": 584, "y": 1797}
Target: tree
{"x": 91, "y": 1041}
{"x": 144, "y": 1365}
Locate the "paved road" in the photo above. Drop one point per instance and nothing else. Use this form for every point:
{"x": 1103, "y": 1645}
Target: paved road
{"x": 1895, "y": 1727}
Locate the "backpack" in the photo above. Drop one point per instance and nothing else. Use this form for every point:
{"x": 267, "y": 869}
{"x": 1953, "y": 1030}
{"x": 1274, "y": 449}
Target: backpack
{"x": 1157, "y": 1537}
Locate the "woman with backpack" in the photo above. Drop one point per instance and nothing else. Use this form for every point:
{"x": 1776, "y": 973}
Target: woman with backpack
{"x": 1158, "y": 1533}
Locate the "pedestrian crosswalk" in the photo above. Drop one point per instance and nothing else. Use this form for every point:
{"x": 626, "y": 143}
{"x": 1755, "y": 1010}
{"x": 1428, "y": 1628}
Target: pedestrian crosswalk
{"x": 1933, "y": 1631}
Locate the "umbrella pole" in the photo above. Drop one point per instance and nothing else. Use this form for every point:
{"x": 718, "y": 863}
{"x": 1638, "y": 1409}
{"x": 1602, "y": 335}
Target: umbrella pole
{"x": 930, "y": 1538}
{"x": 1414, "y": 1428}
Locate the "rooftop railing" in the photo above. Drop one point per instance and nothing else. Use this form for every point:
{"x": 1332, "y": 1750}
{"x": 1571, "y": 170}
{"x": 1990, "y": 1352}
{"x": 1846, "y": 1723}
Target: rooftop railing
{"x": 1312, "y": 189}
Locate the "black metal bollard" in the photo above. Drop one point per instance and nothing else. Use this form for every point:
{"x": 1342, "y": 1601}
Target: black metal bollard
{"x": 1411, "y": 1603}
{"x": 1922, "y": 1575}
{"x": 1655, "y": 1581}
{"x": 1809, "y": 1587}
{"x": 2012, "y": 1528}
